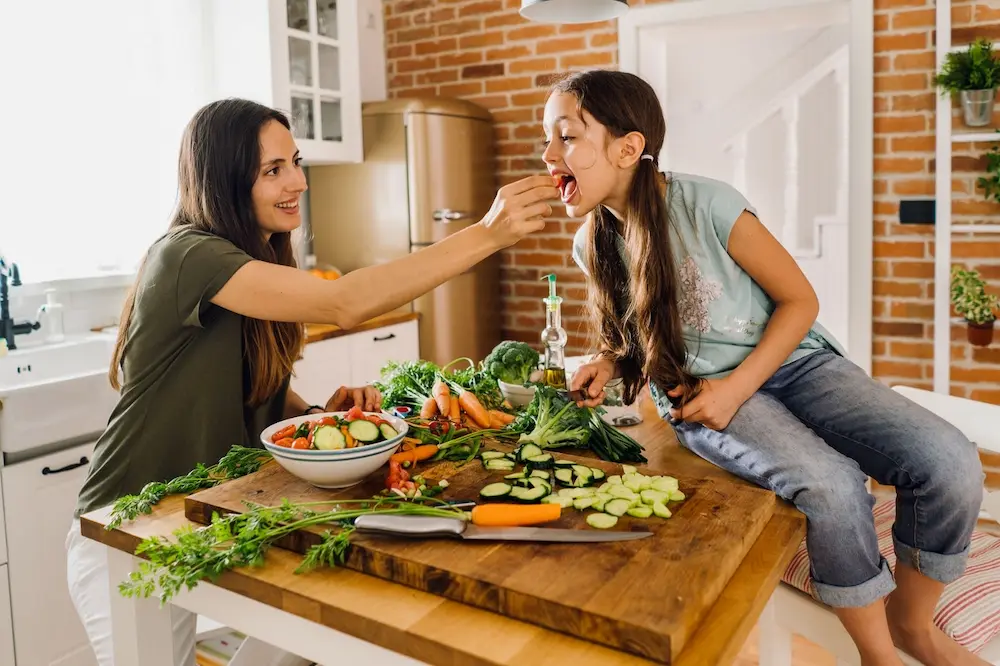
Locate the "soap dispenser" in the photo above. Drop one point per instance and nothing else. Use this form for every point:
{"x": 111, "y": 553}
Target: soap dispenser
{"x": 52, "y": 324}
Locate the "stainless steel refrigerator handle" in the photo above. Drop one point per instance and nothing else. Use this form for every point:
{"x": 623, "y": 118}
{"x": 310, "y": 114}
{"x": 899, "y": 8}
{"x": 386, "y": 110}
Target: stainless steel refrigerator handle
{"x": 448, "y": 215}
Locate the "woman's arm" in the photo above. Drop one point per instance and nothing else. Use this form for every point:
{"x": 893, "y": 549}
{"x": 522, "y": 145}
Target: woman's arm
{"x": 366, "y": 397}
{"x": 796, "y": 306}
{"x": 294, "y": 404}
{"x": 267, "y": 291}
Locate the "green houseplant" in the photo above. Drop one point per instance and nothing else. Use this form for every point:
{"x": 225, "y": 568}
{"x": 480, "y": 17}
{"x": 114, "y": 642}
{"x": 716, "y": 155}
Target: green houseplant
{"x": 968, "y": 295}
{"x": 990, "y": 183}
{"x": 974, "y": 76}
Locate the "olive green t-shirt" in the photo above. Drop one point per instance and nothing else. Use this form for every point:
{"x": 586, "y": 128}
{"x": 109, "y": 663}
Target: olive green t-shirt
{"x": 182, "y": 399}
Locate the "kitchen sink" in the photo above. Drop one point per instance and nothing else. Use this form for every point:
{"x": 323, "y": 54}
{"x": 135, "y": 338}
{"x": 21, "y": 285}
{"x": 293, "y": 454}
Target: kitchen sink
{"x": 52, "y": 393}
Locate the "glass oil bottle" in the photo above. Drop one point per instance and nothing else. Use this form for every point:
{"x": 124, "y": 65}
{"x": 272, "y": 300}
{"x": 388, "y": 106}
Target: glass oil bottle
{"x": 554, "y": 338}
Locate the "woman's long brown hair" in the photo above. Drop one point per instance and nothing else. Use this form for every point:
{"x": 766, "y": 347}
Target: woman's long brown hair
{"x": 638, "y": 323}
{"x": 219, "y": 163}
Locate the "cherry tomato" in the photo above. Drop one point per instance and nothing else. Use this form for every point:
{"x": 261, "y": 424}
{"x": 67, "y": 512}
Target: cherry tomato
{"x": 284, "y": 441}
{"x": 283, "y": 433}
{"x": 327, "y": 420}
{"x": 300, "y": 443}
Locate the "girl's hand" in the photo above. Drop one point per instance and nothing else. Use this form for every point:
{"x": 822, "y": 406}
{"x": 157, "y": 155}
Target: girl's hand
{"x": 520, "y": 209}
{"x": 714, "y": 407}
{"x": 366, "y": 397}
{"x": 593, "y": 377}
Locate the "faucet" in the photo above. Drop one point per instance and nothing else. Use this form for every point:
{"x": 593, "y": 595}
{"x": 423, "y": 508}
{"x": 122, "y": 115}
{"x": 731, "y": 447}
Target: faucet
{"x": 8, "y": 271}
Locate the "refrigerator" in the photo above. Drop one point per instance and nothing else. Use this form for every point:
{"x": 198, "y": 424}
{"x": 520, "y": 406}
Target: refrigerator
{"x": 428, "y": 172}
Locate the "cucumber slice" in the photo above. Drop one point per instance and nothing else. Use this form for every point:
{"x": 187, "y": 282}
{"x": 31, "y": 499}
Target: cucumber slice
{"x": 529, "y": 494}
{"x": 499, "y": 465}
{"x": 492, "y": 455}
{"x": 564, "y": 502}
{"x": 564, "y": 476}
{"x": 640, "y": 512}
{"x": 581, "y": 503}
{"x": 583, "y": 471}
{"x": 599, "y": 503}
{"x": 387, "y": 431}
{"x": 677, "y": 496}
{"x": 617, "y": 507}
{"x": 540, "y": 474}
{"x": 495, "y": 490}
{"x": 605, "y": 488}
{"x": 573, "y": 493}
{"x": 328, "y": 438}
{"x": 564, "y": 463}
{"x": 666, "y": 484}
{"x": 615, "y": 480}
{"x": 597, "y": 474}
{"x": 540, "y": 461}
{"x": 621, "y": 492}
{"x": 661, "y": 510}
{"x": 653, "y": 496}
{"x": 515, "y": 475}
{"x": 601, "y": 521}
{"x": 363, "y": 431}
{"x": 628, "y": 469}
{"x": 632, "y": 484}
{"x": 529, "y": 450}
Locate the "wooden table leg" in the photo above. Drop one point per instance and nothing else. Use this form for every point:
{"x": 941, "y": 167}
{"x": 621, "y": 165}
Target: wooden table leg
{"x": 142, "y": 631}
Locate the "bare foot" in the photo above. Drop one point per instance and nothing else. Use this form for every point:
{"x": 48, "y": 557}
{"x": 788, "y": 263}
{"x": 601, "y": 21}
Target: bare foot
{"x": 931, "y": 646}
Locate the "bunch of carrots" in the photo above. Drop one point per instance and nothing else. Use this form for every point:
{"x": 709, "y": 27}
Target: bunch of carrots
{"x": 461, "y": 407}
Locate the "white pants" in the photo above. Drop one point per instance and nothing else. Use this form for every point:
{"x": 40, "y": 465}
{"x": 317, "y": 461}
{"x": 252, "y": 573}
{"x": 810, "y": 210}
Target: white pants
{"x": 89, "y": 587}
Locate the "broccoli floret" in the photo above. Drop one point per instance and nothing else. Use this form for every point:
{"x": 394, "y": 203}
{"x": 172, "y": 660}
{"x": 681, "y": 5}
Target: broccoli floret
{"x": 558, "y": 422}
{"x": 511, "y": 362}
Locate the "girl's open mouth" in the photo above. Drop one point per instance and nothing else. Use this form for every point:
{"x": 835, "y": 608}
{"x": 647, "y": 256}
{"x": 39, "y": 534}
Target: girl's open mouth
{"x": 567, "y": 188}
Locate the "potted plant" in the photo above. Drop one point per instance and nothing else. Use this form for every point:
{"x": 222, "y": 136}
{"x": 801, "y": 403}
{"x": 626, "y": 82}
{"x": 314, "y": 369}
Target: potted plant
{"x": 990, "y": 183}
{"x": 974, "y": 76}
{"x": 968, "y": 295}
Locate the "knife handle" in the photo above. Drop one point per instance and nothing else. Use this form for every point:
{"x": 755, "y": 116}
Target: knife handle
{"x": 412, "y": 526}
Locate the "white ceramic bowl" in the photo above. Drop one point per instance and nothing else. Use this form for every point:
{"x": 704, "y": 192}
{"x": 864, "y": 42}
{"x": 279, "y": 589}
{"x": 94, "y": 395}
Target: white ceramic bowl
{"x": 340, "y": 468}
{"x": 519, "y": 396}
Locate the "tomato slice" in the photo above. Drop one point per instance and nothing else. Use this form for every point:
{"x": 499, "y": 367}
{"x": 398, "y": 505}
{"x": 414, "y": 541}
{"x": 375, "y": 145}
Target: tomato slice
{"x": 283, "y": 433}
{"x": 284, "y": 441}
{"x": 327, "y": 420}
{"x": 300, "y": 443}
{"x": 355, "y": 414}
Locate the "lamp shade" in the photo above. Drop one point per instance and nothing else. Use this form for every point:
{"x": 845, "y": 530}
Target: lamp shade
{"x": 572, "y": 11}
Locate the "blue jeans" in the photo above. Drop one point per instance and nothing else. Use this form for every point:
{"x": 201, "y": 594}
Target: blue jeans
{"x": 813, "y": 432}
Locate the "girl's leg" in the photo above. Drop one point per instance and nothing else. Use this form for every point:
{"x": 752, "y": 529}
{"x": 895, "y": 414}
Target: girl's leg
{"x": 936, "y": 472}
{"x": 767, "y": 445}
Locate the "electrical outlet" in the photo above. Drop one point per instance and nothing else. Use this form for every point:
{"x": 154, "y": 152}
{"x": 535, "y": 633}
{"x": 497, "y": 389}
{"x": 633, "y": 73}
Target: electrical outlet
{"x": 917, "y": 211}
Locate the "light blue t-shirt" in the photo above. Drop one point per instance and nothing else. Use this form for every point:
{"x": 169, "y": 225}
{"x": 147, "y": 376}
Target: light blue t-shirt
{"x": 723, "y": 310}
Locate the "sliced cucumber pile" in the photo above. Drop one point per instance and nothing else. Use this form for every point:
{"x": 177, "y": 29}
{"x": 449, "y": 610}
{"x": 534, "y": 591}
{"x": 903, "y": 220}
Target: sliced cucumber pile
{"x": 629, "y": 493}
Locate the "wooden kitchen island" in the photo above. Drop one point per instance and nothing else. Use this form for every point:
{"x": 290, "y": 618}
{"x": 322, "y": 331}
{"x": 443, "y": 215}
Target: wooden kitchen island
{"x": 339, "y": 616}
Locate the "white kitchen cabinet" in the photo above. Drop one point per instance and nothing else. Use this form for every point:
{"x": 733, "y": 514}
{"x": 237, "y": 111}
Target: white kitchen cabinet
{"x": 39, "y": 498}
{"x": 352, "y": 360}
{"x": 299, "y": 56}
{"x": 371, "y": 350}
{"x": 6, "y": 624}
{"x": 3, "y": 533}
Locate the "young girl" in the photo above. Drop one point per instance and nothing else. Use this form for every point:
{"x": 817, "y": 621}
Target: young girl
{"x": 691, "y": 293}
{"x": 213, "y": 325}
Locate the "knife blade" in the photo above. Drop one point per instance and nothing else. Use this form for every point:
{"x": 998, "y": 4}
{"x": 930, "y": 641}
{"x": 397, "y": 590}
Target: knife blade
{"x": 433, "y": 527}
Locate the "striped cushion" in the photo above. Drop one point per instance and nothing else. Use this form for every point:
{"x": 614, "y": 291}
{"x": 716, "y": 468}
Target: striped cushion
{"x": 969, "y": 610}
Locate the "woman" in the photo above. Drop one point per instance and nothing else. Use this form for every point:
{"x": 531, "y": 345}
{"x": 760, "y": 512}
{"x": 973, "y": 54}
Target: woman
{"x": 691, "y": 293}
{"x": 213, "y": 325}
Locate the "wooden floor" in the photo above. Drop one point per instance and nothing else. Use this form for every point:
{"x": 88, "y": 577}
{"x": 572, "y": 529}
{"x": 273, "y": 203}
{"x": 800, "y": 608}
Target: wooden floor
{"x": 804, "y": 653}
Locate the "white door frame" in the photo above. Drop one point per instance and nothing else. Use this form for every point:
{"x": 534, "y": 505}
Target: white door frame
{"x": 860, "y": 224}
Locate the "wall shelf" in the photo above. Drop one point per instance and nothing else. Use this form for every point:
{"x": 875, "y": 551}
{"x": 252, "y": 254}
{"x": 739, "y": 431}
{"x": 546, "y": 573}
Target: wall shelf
{"x": 945, "y": 140}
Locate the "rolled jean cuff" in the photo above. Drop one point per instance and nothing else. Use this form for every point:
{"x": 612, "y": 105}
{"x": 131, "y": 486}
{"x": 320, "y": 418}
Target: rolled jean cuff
{"x": 873, "y": 589}
{"x": 942, "y": 568}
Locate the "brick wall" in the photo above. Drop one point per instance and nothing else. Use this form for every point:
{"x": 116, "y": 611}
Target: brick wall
{"x": 483, "y": 51}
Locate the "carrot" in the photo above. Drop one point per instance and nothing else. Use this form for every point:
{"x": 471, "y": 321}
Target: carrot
{"x": 351, "y": 442}
{"x": 511, "y": 515}
{"x": 430, "y": 408}
{"x": 442, "y": 394}
{"x": 470, "y": 403}
{"x": 503, "y": 418}
{"x": 413, "y": 455}
{"x": 455, "y": 411}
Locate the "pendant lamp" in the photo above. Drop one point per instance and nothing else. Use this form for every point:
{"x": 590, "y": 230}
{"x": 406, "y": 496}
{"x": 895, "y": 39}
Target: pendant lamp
{"x": 573, "y": 11}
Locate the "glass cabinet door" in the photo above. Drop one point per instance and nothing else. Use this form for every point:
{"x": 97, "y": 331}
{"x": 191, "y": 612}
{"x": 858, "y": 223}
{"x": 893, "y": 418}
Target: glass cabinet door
{"x": 314, "y": 69}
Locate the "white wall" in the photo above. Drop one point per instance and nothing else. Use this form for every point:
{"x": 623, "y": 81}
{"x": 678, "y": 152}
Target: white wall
{"x": 724, "y": 74}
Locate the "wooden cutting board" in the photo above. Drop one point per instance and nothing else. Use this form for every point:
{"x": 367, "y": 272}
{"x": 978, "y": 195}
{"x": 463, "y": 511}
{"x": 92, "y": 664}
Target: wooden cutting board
{"x": 644, "y": 596}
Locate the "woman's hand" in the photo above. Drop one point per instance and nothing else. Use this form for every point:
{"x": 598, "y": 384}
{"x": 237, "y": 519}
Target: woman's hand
{"x": 593, "y": 377}
{"x": 520, "y": 209}
{"x": 713, "y": 407}
{"x": 366, "y": 397}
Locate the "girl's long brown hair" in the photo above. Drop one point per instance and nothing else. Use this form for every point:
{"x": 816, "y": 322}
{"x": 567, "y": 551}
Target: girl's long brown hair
{"x": 638, "y": 323}
{"x": 219, "y": 163}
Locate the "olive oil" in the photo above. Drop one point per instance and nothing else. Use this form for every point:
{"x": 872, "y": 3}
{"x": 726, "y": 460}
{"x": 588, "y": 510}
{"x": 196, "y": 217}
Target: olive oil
{"x": 554, "y": 338}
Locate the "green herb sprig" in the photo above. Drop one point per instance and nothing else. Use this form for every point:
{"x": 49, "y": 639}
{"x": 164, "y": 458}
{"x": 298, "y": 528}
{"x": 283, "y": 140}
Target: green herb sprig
{"x": 239, "y": 461}
{"x": 242, "y": 539}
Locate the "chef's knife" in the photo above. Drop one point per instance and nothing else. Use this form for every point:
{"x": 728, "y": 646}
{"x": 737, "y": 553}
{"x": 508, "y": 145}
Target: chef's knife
{"x": 430, "y": 526}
